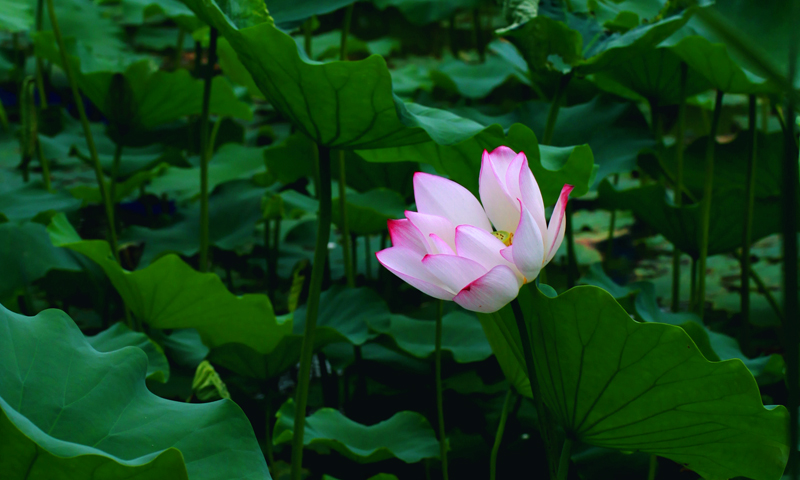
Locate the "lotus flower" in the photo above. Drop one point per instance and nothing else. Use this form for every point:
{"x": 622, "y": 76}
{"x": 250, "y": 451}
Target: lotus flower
{"x": 448, "y": 248}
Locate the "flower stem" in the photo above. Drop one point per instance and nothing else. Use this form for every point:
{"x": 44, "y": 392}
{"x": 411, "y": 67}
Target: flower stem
{"x": 552, "y": 114}
{"x": 205, "y": 149}
{"x": 439, "y": 395}
{"x": 87, "y": 131}
{"x": 343, "y": 225}
{"x": 708, "y": 190}
{"x": 315, "y": 288}
{"x": 651, "y": 471}
{"x": 678, "y": 195}
{"x": 563, "y": 463}
{"x": 498, "y": 438}
{"x": 611, "y": 229}
{"x": 39, "y": 65}
{"x": 747, "y": 233}
{"x": 115, "y": 172}
{"x": 546, "y": 428}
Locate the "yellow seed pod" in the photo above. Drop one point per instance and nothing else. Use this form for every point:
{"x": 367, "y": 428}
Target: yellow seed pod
{"x": 506, "y": 237}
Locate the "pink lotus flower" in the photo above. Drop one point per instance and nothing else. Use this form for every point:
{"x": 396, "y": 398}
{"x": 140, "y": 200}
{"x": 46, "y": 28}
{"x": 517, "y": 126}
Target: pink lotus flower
{"x": 448, "y": 248}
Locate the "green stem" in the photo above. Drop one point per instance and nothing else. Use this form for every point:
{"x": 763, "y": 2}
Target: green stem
{"x": 348, "y": 18}
{"x": 611, "y": 229}
{"x": 439, "y": 401}
{"x": 87, "y": 131}
{"x": 205, "y": 150}
{"x": 552, "y": 114}
{"x": 368, "y": 257}
{"x": 307, "y": 350}
{"x": 45, "y": 164}
{"x": 563, "y": 463}
{"x": 651, "y": 472}
{"x": 693, "y": 284}
{"x": 343, "y": 225}
{"x": 498, "y": 437}
{"x": 546, "y": 428}
{"x": 747, "y": 233}
{"x": 115, "y": 172}
{"x": 708, "y": 190}
{"x": 39, "y": 65}
{"x": 762, "y": 288}
{"x": 679, "y": 141}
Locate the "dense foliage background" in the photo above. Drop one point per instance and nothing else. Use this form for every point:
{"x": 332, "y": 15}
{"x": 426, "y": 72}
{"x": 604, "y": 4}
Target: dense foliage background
{"x": 164, "y": 163}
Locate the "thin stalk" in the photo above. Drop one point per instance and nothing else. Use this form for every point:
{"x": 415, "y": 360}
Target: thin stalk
{"x": 87, "y": 131}
{"x": 348, "y": 18}
{"x": 679, "y": 141}
{"x": 651, "y": 472}
{"x": 611, "y": 229}
{"x": 343, "y": 224}
{"x": 563, "y": 463}
{"x": 498, "y": 437}
{"x": 708, "y": 190}
{"x": 546, "y": 428}
{"x": 747, "y": 233}
{"x": 762, "y": 288}
{"x": 439, "y": 395}
{"x": 477, "y": 34}
{"x": 368, "y": 257}
{"x": 39, "y": 65}
{"x": 789, "y": 200}
{"x": 765, "y": 114}
{"x": 198, "y": 58}
{"x": 205, "y": 150}
{"x": 552, "y": 114}
{"x": 45, "y": 163}
{"x": 115, "y": 172}
{"x": 307, "y": 350}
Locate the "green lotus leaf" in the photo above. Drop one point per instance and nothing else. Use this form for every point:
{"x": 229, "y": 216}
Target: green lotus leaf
{"x": 552, "y": 166}
{"x": 406, "y": 435}
{"x": 21, "y": 201}
{"x": 17, "y": 16}
{"x": 338, "y": 104}
{"x": 612, "y": 382}
{"x": 170, "y": 294}
{"x": 423, "y": 12}
{"x": 68, "y": 411}
{"x": 368, "y": 212}
{"x": 681, "y": 225}
{"x": 461, "y": 336}
{"x": 476, "y": 80}
{"x": 119, "y": 335}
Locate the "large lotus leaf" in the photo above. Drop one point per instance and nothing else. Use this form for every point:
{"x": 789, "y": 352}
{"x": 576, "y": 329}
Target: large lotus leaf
{"x": 119, "y": 335}
{"x": 122, "y": 190}
{"x": 461, "y": 336}
{"x": 26, "y": 255}
{"x": 552, "y": 166}
{"x": 291, "y": 160}
{"x": 288, "y": 14}
{"x": 612, "y": 382}
{"x": 20, "y": 201}
{"x": 344, "y": 317}
{"x": 159, "y": 97}
{"x": 476, "y": 80}
{"x": 423, "y": 12}
{"x": 233, "y": 211}
{"x": 681, "y": 225}
{"x": 407, "y": 435}
{"x": 170, "y": 294}
{"x": 731, "y": 169}
{"x": 654, "y": 76}
{"x": 338, "y": 104}
{"x": 17, "y": 16}
{"x": 713, "y": 61}
{"x": 231, "y": 162}
{"x": 71, "y": 412}
{"x": 368, "y": 212}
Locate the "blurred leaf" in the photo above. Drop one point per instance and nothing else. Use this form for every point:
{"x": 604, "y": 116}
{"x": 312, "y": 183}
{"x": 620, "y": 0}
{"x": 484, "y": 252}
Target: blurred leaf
{"x": 612, "y": 382}
{"x": 20, "y": 201}
{"x": 17, "y": 16}
{"x": 118, "y": 336}
{"x": 76, "y": 412}
{"x": 368, "y": 212}
{"x": 289, "y": 14}
{"x": 476, "y": 80}
{"x": 423, "y": 12}
{"x": 407, "y": 435}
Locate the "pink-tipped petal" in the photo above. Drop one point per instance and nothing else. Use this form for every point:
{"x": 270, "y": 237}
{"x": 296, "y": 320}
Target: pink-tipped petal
{"x": 445, "y": 198}
{"x": 433, "y": 224}
{"x": 440, "y": 245}
{"x": 480, "y": 246}
{"x": 499, "y": 205}
{"x": 490, "y": 292}
{"x": 512, "y": 175}
{"x": 528, "y": 246}
{"x": 453, "y": 271}
{"x": 403, "y": 233}
{"x": 407, "y": 265}
{"x": 557, "y": 226}
{"x": 532, "y": 198}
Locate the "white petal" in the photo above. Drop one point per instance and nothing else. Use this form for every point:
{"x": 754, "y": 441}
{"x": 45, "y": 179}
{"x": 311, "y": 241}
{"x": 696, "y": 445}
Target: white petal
{"x": 491, "y": 292}
{"x": 407, "y": 265}
{"x": 558, "y": 224}
{"x": 528, "y": 246}
{"x": 499, "y": 205}
{"x": 480, "y": 246}
{"x": 453, "y": 271}
{"x": 439, "y": 196}
{"x": 404, "y": 234}
{"x": 512, "y": 176}
{"x": 428, "y": 224}
{"x": 440, "y": 245}
{"x": 532, "y": 198}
